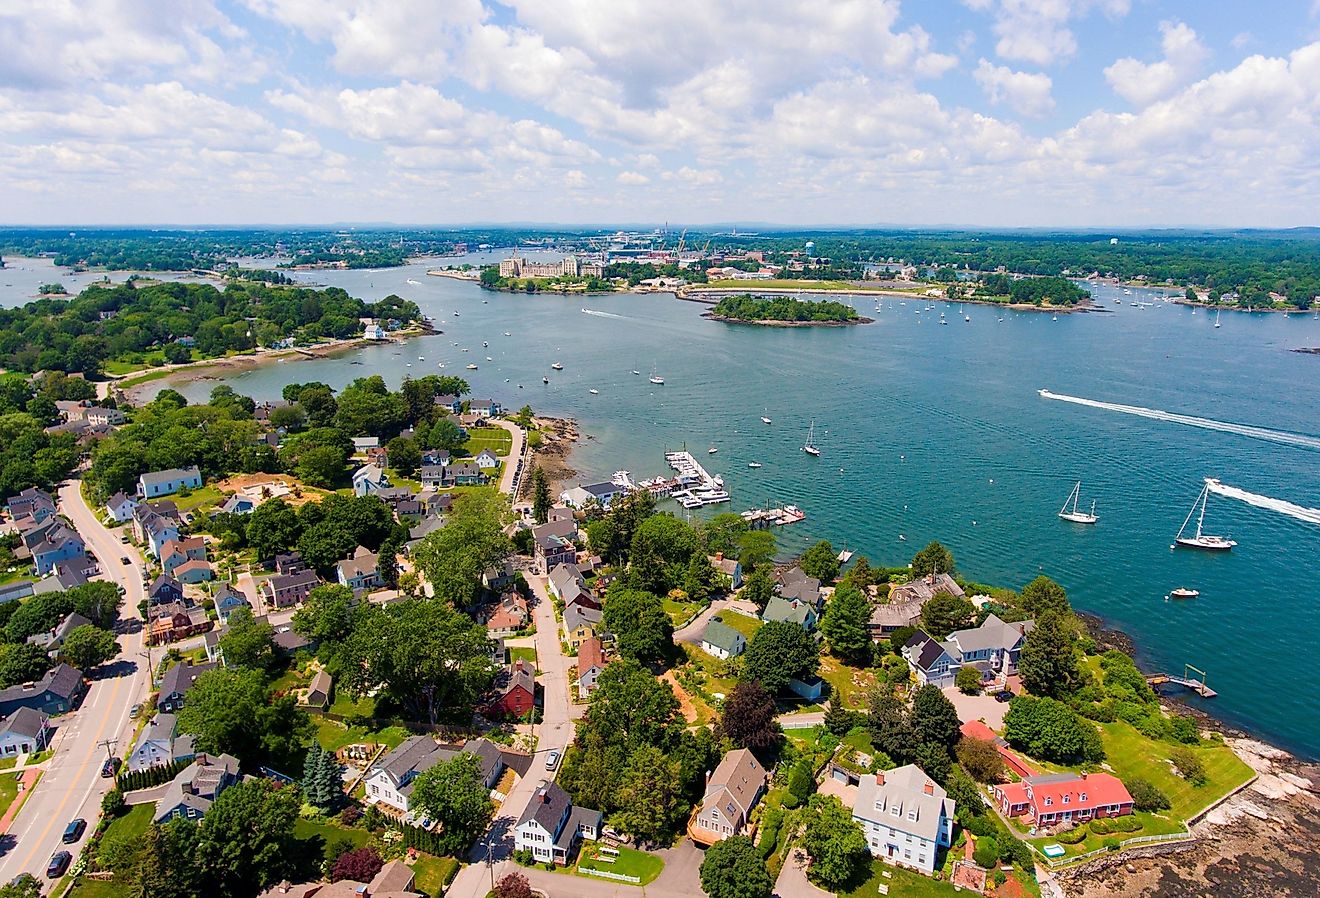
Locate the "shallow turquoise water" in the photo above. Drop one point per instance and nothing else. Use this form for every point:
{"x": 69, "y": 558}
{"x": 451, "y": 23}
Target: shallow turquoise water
{"x": 936, "y": 431}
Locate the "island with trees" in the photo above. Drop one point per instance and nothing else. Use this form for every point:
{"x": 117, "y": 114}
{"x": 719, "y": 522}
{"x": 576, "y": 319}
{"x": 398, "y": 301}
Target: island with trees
{"x": 783, "y": 311}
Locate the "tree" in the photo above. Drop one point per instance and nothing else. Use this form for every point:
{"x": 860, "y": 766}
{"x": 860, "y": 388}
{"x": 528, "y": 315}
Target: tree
{"x": 887, "y": 720}
{"x": 323, "y": 778}
{"x": 471, "y": 543}
{"x": 228, "y": 712}
{"x": 541, "y": 500}
{"x": 290, "y": 418}
{"x": 247, "y": 642}
{"x": 748, "y": 720}
{"x": 454, "y": 794}
{"x": 723, "y": 533}
{"x": 968, "y": 680}
{"x": 934, "y": 719}
{"x": 327, "y": 615}
{"x": 246, "y": 841}
{"x": 834, "y": 841}
{"x": 821, "y": 562}
{"x": 176, "y": 353}
{"x": 88, "y": 646}
{"x": 21, "y": 663}
{"x": 733, "y": 868}
{"x": 801, "y": 780}
{"x": 513, "y": 885}
{"x": 1048, "y": 662}
{"x": 640, "y": 624}
{"x": 1052, "y": 731}
{"x": 1188, "y": 765}
{"x": 987, "y": 853}
{"x": 321, "y": 466}
{"x": 359, "y": 864}
{"x": 756, "y": 549}
{"x": 701, "y": 580}
{"x": 661, "y": 544}
{"x": 861, "y": 574}
{"x": 981, "y": 759}
{"x": 404, "y": 455}
{"x": 934, "y": 559}
{"x": 98, "y": 601}
{"x": 273, "y": 527}
{"x": 445, "y": 434}
{"x": 631, "y": 707}
{"x": 1146, "y": 796}
{"x": 758, "y": 588}
{"x": 649, "y": 796}
{"x": 38, "y": 614}
{"x": 324, "y": 544}
{"x": 24, "y": 885}
{"x": 840, "y": 721}
{"x": 844, "y": 624}
{"x": 1043, "y": 595}
{"x": 945, "y": 612}
{"x": 780, "y": 651}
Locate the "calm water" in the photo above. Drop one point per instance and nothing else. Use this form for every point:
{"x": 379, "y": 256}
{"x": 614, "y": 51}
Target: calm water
{"x": 932, "y": 431}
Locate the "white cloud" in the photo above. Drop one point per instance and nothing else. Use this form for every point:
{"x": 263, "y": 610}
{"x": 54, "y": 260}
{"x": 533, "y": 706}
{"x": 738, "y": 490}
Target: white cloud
{"x": 1027, "y": 92}
{"x": 1037, "y": 31}
{"x": 632, "y": 178}
{"x": 1143, "y": 83}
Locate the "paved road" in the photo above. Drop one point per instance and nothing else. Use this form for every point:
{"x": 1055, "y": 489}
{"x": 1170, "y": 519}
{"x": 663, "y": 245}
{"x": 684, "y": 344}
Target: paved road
{"x": 72, "y": 785}
{"x": 515, "y": 453}
{"x": 696, "y": 628}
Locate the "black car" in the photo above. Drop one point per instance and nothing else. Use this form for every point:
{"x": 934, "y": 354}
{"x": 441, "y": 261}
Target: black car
{"x": 59, "y": 862}
{"x": 110, "y": 767}
{"x": 125, "y": 559}
{"x": 1005, "y": 696}
{"x": 74, "y": 830}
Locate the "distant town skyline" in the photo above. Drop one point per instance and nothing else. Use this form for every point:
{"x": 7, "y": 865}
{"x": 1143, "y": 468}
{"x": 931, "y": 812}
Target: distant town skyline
{"x": 962, "y": 113}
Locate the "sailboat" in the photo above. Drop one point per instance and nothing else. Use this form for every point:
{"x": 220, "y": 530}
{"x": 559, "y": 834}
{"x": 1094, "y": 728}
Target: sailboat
{"x": 1202, "y": 540}
{"x": 765, "y": 419}
{"x": 655, "y": 378}
{"x": 1216, "y": 318}
{"x": 810, "y": 447}
{"x": 1072, "y": 514}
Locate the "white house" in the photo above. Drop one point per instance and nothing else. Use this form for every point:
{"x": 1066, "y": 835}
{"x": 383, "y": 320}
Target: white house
{"x": 486, "y": 460}
{"x": 390, "y": 781}
{"x": 374, "y": 332}
{"x": 23, "y": 732}
{"x": 120, "y": 507}
{"x": 721, "y": 640}
{"x": 551, "y": 826}
{"x": 906, "y": 817}
{"x": 362, "y": 571}
{"x": 158, "y": 744}
{"x": 163, "y": 483}
{"x": 369, "y": 479}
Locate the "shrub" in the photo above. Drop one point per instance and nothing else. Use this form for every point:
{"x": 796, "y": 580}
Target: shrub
{"x": 524, "y": 857}
{"x": 1113, "y": 844}
{"x": 1072, "y": 836}
{"x": 361, "y": 864}
{"x": 770, "y": 824}
{"x": 1146, "y": 796}
{"x": 987, "y": 852}
{"x": 113, "y": 803}
{"x": 513, "y": 885}
{"x": 1188, "y": 765}
{"x": 1183, "y": 728}
{"x": 1128, "y": 824}
{"x": 1100, "y": 827}
{"x": 968, "y": 680}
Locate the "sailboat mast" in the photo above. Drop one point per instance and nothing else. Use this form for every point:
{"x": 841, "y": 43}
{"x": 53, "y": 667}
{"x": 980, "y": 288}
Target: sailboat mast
{"x": 1205, "y": 497}
{"x": 1186, "y": 521}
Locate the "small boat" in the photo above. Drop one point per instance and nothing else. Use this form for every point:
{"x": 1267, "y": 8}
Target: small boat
{"x": 489, "y": 359}
{"x": 655, "y": 378}
{"x": 1183, "y": 592}
{"x": 472, "y": 367}
{"x": 558, "y": 367}
{"x": 1077, "y": 517}
{"x": 810, "y": 447}
{"x": 1216, "y": 318}
{"x": 545, "y": 380}
{"x": 638, "y": 373}
{"x": 944, "y": 321}
{"x": 507, "y": 334}
{"x": 1201, "y": 540}
{"x": 712, "y": 450}
{"x": 753, "y": 464}
{"x": 594, "y": 392}
{"x": 484, "y": 343}
{"x": 902, "y": 537}
{"x": 408, "y": 365}
{"x": 455, "y": 313}
{"x": 765, "y": 420}
{"x": 1055, "y": 318}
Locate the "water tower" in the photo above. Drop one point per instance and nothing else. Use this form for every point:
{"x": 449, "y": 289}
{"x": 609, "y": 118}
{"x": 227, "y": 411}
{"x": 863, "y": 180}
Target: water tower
{"x": 811, "y": 249}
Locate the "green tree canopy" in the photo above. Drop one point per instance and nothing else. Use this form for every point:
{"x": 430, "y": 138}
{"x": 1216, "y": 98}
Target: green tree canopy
{"x": 246, "y": 841}
{"x": 247, "y": 642}
{"x": 748, "y": 718}
{"x": 1052, "y": 731}
{"x": 88, "y": 646}
{"x": 945, "y": 612}
{"x": 780, "y": 651}
{"x": 454, "y": 795}
{"x": 733, "y": 869}
{"x": 641, "y": 625}
{"x": 934, "y": 559}
{"x": 834, "y": 842}
{"x": 821, "y": 562}
{"x": 1043, "y": 595}
{"x": 844, "y": 625}
{"x": 1048, "y": 663}
{"x": 471, "y": 543}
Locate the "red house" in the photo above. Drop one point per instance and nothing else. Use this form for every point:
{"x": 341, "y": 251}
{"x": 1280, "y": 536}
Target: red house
{"x": 1064, "y": 798}
{"x": 514, "y": 693}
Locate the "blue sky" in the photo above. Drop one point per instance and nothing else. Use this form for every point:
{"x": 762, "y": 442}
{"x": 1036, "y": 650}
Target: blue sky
{"x": 963, "y": 112}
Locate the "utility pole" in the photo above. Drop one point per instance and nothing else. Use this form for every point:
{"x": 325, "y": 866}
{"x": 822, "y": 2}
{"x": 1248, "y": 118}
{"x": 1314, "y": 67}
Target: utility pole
{"x": 109, "y": 748}
{"x": 151, "y": 671}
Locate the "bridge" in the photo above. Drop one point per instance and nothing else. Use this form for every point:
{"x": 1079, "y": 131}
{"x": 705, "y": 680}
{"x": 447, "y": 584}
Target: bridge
{"x": 1187, "y": 681}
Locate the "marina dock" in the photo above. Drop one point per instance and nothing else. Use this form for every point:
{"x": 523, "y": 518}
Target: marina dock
{"x": 763, "y": 518}
{"x": 696, "y": 487}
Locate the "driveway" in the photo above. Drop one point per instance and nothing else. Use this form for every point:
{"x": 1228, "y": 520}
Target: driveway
{"x": 978, "y": 707}
{"x": 793, "y": 882}
{"x": 693, "y": 632}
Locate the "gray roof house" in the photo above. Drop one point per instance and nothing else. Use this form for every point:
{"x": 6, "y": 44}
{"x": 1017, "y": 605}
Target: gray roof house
{"x": 52, "y": 639}
{"x": 551, "y": 826}
{"x": 177, "y": 681}
{"x": 195, "y": 789}
{"x": 159, "y": 745}
{"x": 163, "y": 483}
{"x": 721, "y": 640}
{"x": 793, "y": 611}
{"x": 25, "y": 731}
{"x": 905, "y": 815}
{"x": 57, "y": 692}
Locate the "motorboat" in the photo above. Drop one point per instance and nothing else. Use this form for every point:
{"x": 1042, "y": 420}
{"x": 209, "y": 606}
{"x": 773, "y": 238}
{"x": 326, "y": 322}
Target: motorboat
{"x": 753, "y": 464}
{"x": 557, "y": 367}
{"x": 1183, "y": 592}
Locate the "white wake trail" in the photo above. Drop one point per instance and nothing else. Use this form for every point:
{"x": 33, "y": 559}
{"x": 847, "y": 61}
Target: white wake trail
{"x": 1300, "y": 512}
{"x": 600, "y": 314}
{"x": 1246, "y": 430}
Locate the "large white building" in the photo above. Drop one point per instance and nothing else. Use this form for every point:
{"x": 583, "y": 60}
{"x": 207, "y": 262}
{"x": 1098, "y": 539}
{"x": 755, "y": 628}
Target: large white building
{"x": 569, "y": 266}
{"x": 906, "y": 817}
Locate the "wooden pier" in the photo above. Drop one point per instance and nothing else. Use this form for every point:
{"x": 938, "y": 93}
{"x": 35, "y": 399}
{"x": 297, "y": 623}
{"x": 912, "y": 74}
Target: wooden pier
{"x": 1187, "y": 681}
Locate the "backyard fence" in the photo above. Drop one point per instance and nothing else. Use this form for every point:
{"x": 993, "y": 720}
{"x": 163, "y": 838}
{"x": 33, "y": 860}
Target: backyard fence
{"x": 621, "y": 877}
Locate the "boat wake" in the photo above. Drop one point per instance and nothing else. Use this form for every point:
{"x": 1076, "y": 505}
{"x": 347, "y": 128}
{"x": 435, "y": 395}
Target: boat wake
{"x": 1246, "y": 430}
{"x": 600, "y": 314}
{"x": 1301, "y": 513}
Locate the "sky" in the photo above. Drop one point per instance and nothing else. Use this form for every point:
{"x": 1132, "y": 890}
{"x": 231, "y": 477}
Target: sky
{"x": 984, "y": 113}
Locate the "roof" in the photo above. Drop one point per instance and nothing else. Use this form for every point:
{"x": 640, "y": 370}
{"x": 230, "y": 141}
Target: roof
{"x": 360, "y": 565}
{"x": 119, "y": 499}
{"x": 289, "y": 581}
{"x": 25, "y": 721}
{"x": 161, "y": 729}
{"x": 924, "y": 651}
{"x": 903, "y": 614}
{"x": 577, "y": 615}
{"x": 153, "y": 478}
{"x": 600, "y": 490}
{"x": 412, "y": 755}
{"x": 565, "y": 578}
{"x": 725, "y": 565}
{"x": 519, "y": 675}
{"x": 180, "y": 678}
{"x": 924, "y": 588}
{"x": 369, "y": 472}
{"x": 558, "y": 527}
{"x": 899, "y": 795}
{"x": 321, "y": 682}
{"x": 1099, "y": 789}
{"x": 738, "y": 778}
{"x": 992, "y": 634}
{"x": 164, "y": 581}
{"x": 192, "y": 565}
{"x": 793, "y": 611}
{"x": 590, "y": 654}
{"x": 547, "y": 807}
{"x": 722, "y": 636}
{"x": 395, "y": 876}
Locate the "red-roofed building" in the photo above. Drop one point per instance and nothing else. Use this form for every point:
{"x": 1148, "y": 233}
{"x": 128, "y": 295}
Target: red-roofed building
{"x": 975, "y": 729}
{"x": 1064, "y": 798}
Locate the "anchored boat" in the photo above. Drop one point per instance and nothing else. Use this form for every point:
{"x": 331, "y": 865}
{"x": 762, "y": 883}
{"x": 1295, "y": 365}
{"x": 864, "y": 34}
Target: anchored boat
{"x": 1072, "y": 514}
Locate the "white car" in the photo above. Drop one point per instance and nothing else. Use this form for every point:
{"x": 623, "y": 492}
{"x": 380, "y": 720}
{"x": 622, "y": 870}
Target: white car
{"x": 552, "y": 760}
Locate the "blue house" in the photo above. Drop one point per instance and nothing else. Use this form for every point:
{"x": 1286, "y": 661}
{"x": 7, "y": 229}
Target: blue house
{"x": 451, "y": 404}
{"x": 931, "y": 662}
{"x": 61, "y": 543}
{"x": 369, "y": 479}
{"x": 163, "y": 483}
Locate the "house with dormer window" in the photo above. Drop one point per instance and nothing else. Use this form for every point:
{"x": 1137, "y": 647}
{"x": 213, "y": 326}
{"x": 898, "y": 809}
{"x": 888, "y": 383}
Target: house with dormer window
{"x": 906, "y": 817}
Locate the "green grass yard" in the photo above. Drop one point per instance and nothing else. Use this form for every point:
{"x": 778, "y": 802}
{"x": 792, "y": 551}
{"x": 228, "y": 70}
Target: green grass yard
{"x": 901, "y": 883}
{"x": 524, "y": 653}
{"x": 496, "y": 439}
{"x": 207, "y": 496}
{"x": 629, "y": 862}
{"x": 1151, "y": 825}
{"x": 680, "y": 612}
{"x": 1132, "y": 755}
{"x": 852, "y": 685}
{"x": 745, "y": 625}
{"x": 131, "y": 825}
{"x": 334, "y": 735}
{"x": 310, "y": 829}
{"x": 8, "y": 791}
{"x": 434, "y": 873}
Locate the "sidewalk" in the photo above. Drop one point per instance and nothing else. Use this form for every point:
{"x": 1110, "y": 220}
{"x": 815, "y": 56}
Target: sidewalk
{"x": 26, "y": 782}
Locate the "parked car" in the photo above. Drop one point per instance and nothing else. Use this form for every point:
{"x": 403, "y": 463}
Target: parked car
{"x": 135, "y": 710}
{"x": 124, "y": 559}
{"x": 552, "y": 760}
{"x": 1005, "y": 696}
{"x": 110, "y": 767}
{"x": 73, "y": 832}
{"x": 59, "y": 862}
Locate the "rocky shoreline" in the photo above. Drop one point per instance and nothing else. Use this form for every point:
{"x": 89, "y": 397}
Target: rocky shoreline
{"x": 711, "y": 316}
{"x": 558, "y": 438}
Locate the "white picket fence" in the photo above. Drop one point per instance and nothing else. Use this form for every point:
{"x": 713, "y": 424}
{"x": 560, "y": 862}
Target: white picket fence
{"x": 621, "y": 877}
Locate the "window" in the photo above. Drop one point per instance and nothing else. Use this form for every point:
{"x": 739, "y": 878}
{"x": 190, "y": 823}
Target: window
{"x": 1048, "y": 801}
{"x": 1082, "y": 797}
{"x": 921, "y": 858}
{"x": 907, "y": 855}
{"x": 912, "y": 815}
{"x": 1067, "y": 798}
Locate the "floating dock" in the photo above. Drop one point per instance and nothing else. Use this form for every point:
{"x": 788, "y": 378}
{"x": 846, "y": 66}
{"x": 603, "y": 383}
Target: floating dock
{"x": 696, "y": 487}
{"x": 763, "y": 518}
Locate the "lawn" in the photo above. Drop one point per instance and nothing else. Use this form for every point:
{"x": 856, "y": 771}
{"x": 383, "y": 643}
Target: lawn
{"x": 8, "y": 791}
{"x": 1132, "y": 755}
{"x": 851, "y": 684}
{"x": 1151, "y": 825}
{"x": 496, "y": 439}
{"x": 902, "y": 884}
{"x": 310, "y": 829}
{"x": 96, "y": 888}
{"x": 525, "y": 653}
{"x": 334, "y": 735}
{"x": 745, "y": 625}
{"x": 131, "y": 825}
{"x": 434, "y": 873}
{"x": 630, "y": 862}
{"x": 680, "y": 612}
{"x": 346, "y": 706}
{"x": 207, "y": 496}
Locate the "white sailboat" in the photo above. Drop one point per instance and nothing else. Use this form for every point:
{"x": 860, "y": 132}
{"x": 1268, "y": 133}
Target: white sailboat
{"x": 1216, "y": 317}
{"x": 1071, "y": 513}
{"x": 1202, "y": 540}
{"x": 655, "y": 378}
{"x": 765, "y": 419}
{"x": 810, "y": 447}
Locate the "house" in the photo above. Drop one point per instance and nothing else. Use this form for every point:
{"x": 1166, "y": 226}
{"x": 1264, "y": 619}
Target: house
{"x": 550, "y": 825}
{"x": 1064, "y": 798}
{"x": 25, "y": 731}
{"x": 507, "y": 616}
{"x": 721, "y": 640}
{"x": 792, "y": 611}
{"x": 65, "y": 576}
{"x": 886, "y": 619}
{"x": 177, "y": 552}
{"x": 436, "y": 457}
{"x": 732, "y": 791}
{"x": 550, "y": 551}
{"x": 53, "y": 639}
{"x": 729, "y": 569}
{"x": 120, "y": 507}
{"x": 395, "y": 880}
{"x": 195, "y": 789}
{"x": 906, "y": 817}
{"x": 389, "y": 782}
{"x": 57, "y": 692}
{"x": 379, "y": 456}
{"x": 514, "y": 692}
{"x": 362, "y": 571}
{"x": 581, "y": 622}
{"x": 164, "y": 590}
{"x": 177, "y": 681}
{"x": 374, "y": 332}
{"x": 38, "y": 504}
{"x": 362, "y": 444}
{"x": 923, "y": 589}
{"x": 60, "y": 543}
{"x": 930, "y": 661}
{"x": 164, "y": 483}
{"x": 485, "y": 408}
{"x": 565, "y": 582}
{"x": 175, "y": 621}
{"x": 159, "y": 532}
{"x": 487, "y": 460}
{"x": 97, "y": 416}
{"x": 993, "y": 647}
{"x": 369, "y": 479}
{"x": 159, "y": 745}
{"x": 464, "y": 473}
{"x": 600, "y": 493}
{"x": 795, "y": 584}
{"x": 318, "y": 691}
{"x": 228, "y": 600}
{"x": 499, "y": 577}
{"x": 239, "y": 504}
{"x": 433, "y": 477}
{"x": 811, "y": 689}
{"x": 449, "y": 403}
{"x": 283, "y": 591}
{"x": 590, "y": 662}
{"x": 290, "y": 563}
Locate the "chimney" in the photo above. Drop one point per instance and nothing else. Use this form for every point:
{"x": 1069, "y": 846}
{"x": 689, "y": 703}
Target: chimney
{"x": 929, "y": 788}
{"x": 1083, "y": 774}
{"x": 880, "y": 778}
{"x": 719, "y": 556}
